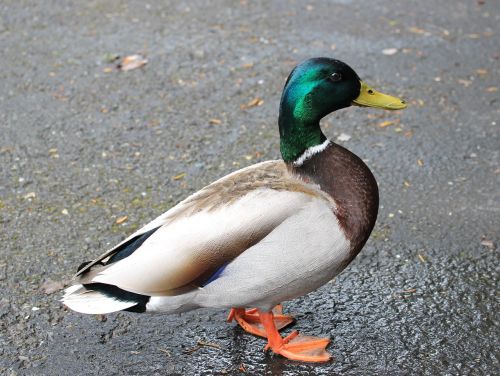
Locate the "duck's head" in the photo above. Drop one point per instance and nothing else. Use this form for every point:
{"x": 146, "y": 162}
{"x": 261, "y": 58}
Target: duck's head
{"x": 315, "y": 88}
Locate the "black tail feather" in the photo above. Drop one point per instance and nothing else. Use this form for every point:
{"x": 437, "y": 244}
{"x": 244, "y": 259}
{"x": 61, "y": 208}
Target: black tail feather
{"x": 120, "y": 294}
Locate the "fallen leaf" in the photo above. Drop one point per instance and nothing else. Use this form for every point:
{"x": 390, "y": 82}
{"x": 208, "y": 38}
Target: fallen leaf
{"x": 50, "y": 286}
{"x": 108, "y": 70}
{"x": 242, "y": 368}
{"x": 466, "y": 83}
{"x": 492, "y": 89}
{"x": 389, "y": 51}
{"x": 215, "y": 121}
{"x": 121, "y": 220}
{"x": 420, "y": 162}
{"x": 247, "y": 65}
{"x": 388, "y": 123}
{"x": 407, "y": 184}
{"x": 253, "y": 103}
{"x": 53, "y": 153}
{"x": 409, "y": 291}
{"x": 179, "y": 176}
{"x": 417, "y": 30}
{"x": 208, "y": 344}
{"x": 482, "y": 72}
{"x": 132, "y": 62}
{"x": 29, "y": 195}
{"x": 165, "y": 351}
{"x": 344, "y": 137}
{"x": 488, "y": 243}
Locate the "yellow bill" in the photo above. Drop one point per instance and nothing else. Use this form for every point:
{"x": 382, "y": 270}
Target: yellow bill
{"x": 371, "y": 98}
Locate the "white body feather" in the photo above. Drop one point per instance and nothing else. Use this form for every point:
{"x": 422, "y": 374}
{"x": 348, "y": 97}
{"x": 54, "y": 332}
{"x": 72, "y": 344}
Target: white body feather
{"x": 304, "y": 252}
{"x": 300, "y": 246}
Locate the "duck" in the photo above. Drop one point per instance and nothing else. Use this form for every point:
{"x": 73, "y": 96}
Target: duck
{"x": 259, "y": 236}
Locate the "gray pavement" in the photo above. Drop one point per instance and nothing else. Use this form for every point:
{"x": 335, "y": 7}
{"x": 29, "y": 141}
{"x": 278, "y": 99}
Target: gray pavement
{"x": 83, "y": 145}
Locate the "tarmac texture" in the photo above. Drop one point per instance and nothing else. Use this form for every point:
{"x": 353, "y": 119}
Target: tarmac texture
{"x": 89, "y": 153}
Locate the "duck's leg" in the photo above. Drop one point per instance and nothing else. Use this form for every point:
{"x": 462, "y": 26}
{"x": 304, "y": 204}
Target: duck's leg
{"x": 249, "y": 320}
{"x": 294, "y": 346}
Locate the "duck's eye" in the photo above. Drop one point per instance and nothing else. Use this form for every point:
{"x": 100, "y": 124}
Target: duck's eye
{"x": 335, "y": 77}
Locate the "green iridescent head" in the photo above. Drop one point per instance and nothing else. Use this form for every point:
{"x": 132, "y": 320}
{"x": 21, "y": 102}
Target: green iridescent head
{"x": 314, "y": 89}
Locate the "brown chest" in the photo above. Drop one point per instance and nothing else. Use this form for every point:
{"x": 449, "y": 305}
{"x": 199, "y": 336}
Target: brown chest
{"x": 347, "y": 179}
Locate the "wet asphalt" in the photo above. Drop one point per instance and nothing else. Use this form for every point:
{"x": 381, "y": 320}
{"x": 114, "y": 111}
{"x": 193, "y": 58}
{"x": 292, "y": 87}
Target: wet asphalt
{"x": 89, "y": 153}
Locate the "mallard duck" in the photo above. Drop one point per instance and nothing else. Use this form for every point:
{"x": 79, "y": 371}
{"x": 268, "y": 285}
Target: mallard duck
{"x": 259, "y": 236}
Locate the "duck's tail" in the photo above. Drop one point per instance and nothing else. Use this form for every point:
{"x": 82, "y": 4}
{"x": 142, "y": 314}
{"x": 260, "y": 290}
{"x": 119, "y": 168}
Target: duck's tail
{"x": 99, "y": 298}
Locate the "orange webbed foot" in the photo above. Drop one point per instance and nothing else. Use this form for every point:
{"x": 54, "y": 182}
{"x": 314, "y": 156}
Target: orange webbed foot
{"x": 305, "y": 349}
{"x": 294, "y": 346}
{"x": 249, "y": 320}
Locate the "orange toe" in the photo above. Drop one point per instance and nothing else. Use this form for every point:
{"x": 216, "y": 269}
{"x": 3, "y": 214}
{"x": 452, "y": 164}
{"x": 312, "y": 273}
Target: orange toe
{"x": 250, "y": 322}
{"x": 306, "y": 349}
{"x": 295, "y": 346}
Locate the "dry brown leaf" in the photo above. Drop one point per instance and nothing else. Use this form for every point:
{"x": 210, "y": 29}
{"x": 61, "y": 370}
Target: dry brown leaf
{"x": 215, "y": 121}
{"x": 179, "y": 176}
{"x": 165, "y": 351}
{"x": 132, "y": 62}
{"x": 253, "y": 103}
{"x": 417, "y": 30}
{"x": 466, "y": 83}
{"x": 387, "y": 123}
{"x": 409, "y": 291}
{"x": 29, "y": 195}
{"x": 488, "y": 243}
{"x": 247, "y": 65}
{"x": 50, "y": 286}
{"x": 108, "y": 70}
{"x": 121, "y": 220}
